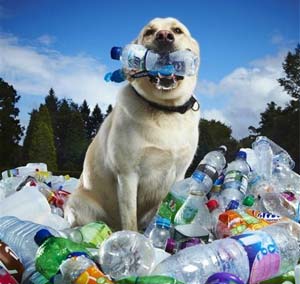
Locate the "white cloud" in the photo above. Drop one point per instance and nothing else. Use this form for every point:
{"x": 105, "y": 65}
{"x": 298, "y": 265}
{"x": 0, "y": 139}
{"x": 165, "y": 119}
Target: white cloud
{"x": 215, "y": 114}
{"x": 33, "y": 71}
{"x": 277, "y": 38}
{"x": 46, "y": 39}
{"x": 245, "y": 93}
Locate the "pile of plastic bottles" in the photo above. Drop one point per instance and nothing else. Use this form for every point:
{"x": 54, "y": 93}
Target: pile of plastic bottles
{"x": 231, "y": 222}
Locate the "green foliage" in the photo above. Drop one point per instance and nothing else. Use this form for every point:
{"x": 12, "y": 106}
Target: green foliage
{"x": 282, "y": 124}
{"x": 39, "y": 141}
{"x": 85, "y": 114}
{"x": 291, "y": 66}
{"x": 108, "y": 111}
{"x": 72, "y": 140}
{"x": 96, "y": 120}
{"x": 10, "y": 128}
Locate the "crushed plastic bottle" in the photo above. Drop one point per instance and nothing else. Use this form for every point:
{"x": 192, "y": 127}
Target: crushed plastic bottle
{"x": 126, "y": 253}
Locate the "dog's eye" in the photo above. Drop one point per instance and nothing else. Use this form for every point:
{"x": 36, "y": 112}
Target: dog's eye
{"x": 149, "y": 32}
{"x": 177, "y": 31}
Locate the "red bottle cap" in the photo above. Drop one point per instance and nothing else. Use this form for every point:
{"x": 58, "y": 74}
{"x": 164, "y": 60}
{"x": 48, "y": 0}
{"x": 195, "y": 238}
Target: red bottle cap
{"x": 212, "y": 204}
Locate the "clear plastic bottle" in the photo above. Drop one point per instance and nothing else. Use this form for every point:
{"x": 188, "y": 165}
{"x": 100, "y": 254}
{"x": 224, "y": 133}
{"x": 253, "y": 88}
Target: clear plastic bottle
{"x": 137, "y": 57}
{"x": 276, "y": 203}
{"x": 203, "y": 178}
{"x": 286, "y": 178}
{"x": 132, "y": 56}
{"x": 126, "y": 253}
{"x": 194, "y": 210}
{"x": 160, "y": 233}
{"x": 253, "y": 256}
{"x": 78, "y": 270}
{"x": 93, "y": 233}
{"x": 264, "y": 155}
{"x": 280, "y": 155}
{"x": 195, "y": 264}
{"x": 236, "y": 179}
{"x": 19, "y": 235}
{"x": 215, "y": 211}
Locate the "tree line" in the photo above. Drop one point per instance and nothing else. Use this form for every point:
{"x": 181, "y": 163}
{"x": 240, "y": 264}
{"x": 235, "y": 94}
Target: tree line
{"x": 59, "y": 131}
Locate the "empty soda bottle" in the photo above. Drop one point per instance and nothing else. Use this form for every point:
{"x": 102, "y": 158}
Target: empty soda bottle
{"x": 160, "y": 233}
{"x": 202, "y": 179}
{"x": 52, "y": 251}
{"x": 93, "y": 234}
{"x": 236, "y": 179}
{"x": 264, "y": 155}
{"x": 194, "y": 210}
{"x": 137, "y": 58}
{"x": 253, "y": 256}
{"x": 19, "y": 235}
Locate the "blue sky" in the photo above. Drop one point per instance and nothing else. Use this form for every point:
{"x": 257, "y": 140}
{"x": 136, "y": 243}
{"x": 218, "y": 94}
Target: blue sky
{"x": 66, "y": 45}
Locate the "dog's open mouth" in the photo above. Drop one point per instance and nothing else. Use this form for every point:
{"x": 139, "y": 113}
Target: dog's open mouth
{"x": 164, "y": 82}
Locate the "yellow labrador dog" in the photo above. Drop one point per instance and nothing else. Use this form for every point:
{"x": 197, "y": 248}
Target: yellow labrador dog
{"x": 146, "y": 143}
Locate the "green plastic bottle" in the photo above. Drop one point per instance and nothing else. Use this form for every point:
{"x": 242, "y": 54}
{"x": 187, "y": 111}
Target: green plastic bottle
{"x": 155, "y": 279}
{"x": 53, "y": 251}
{"x": 92, "y": 234}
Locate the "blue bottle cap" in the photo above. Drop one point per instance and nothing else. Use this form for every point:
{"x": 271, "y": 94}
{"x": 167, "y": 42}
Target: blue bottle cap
{"x": 115, "y": 52}
{"x": 117, "y": 76}
{"x": 232, "y": 205}
{"x": 41, "y": 236}
{"x": 164, "y": 222}
{"x": 242, "y": 155}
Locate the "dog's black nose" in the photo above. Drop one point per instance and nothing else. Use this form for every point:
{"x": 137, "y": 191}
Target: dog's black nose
{"x": 165, "y": 37}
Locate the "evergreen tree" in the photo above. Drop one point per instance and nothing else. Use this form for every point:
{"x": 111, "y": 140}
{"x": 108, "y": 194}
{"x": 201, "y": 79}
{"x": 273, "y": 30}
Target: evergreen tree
{"x": 51, "y": 101}
{"x": 291, "y": 67}
{"x": 282, "y": 124}
{"x": 96, "y": 120}
{"x": 85, "y": 114}
{"x": 39, "y": 141}
{"x": 10, "y": 128}
{"x": 72, "y": 141}
{"x": 108, "y": 111}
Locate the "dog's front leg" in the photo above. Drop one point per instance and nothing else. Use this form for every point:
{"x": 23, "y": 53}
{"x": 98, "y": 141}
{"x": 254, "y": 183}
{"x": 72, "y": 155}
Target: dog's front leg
{"x": 127, "y": 197}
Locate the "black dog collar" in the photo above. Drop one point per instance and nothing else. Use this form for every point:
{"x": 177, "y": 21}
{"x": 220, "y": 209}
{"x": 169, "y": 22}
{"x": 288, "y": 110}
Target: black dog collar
{"x": 192, "y": 103}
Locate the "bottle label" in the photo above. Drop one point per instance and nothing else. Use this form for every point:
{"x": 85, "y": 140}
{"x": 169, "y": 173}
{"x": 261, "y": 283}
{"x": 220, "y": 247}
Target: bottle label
{"x": 208, "y": 170}
{"x": 263, "y": 255}
{"x": 236, "y": 180}
{"x": 92, "y": 275}
{"x": 185, "y": 215}
{"x": 170, "y": 207}
{"x": 95, "y": 233}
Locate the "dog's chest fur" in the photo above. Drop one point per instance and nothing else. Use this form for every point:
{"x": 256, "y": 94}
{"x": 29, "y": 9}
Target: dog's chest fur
{"x": 161, "y": 146}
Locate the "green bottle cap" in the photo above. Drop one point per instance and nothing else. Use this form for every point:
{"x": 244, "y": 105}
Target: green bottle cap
{"x": 249, "y": 200}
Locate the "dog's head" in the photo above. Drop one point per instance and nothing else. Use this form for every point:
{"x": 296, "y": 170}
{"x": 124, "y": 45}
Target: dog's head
{"x": 164, "y": 35}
